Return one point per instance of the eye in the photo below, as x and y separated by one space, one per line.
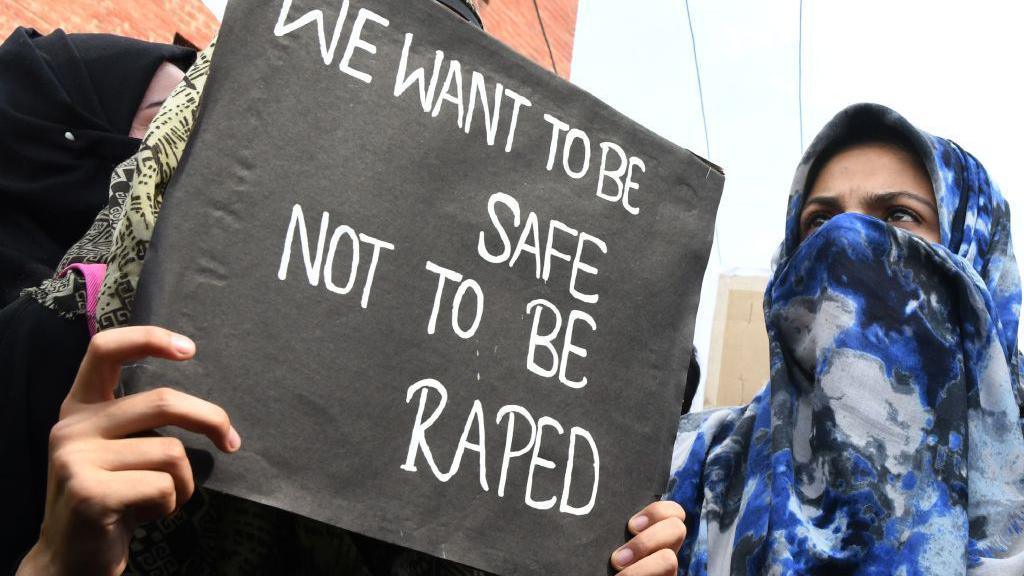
903 215
815 220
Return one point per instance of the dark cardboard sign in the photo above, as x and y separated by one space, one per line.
446 297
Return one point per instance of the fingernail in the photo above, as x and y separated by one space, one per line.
183 344
234 440
623 557
639 522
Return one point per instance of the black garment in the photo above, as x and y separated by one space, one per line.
692 381
461 7
66 107
39 357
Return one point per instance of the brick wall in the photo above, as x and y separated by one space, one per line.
153 20
515 23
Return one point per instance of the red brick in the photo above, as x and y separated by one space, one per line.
153 20
514 22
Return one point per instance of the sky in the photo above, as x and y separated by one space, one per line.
952 68
217 7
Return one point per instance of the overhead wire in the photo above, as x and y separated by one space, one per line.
800 74
544 33
700 88
703 114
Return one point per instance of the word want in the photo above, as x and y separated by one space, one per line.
498 108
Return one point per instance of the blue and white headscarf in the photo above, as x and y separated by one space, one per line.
888 439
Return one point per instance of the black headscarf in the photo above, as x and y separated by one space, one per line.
66 106
465 9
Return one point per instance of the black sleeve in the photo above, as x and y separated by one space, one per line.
39 357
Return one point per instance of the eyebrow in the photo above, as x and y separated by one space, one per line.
888 197
824 201
832 202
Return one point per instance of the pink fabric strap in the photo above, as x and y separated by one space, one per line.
93 275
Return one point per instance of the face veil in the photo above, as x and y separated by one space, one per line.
66 107
888 439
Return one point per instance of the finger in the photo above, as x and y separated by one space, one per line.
108 350
655 512
661 563
667 534
140 495
167 407
161 454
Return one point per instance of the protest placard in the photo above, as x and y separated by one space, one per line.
446 297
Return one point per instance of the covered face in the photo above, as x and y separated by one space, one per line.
868 152
888 439
68 103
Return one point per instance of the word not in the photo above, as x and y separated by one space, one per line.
314 264
532 446
529 242
578 139
452 94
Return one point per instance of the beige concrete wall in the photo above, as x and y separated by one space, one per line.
738 362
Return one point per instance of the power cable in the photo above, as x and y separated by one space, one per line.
800 75
544 33
703 115
700 88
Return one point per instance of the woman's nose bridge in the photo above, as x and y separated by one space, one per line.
854 201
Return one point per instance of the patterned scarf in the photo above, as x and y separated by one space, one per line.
888 439
119 236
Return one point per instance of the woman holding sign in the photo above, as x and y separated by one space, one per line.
84 500
888 439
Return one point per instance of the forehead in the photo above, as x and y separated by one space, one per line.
165 80
871 167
